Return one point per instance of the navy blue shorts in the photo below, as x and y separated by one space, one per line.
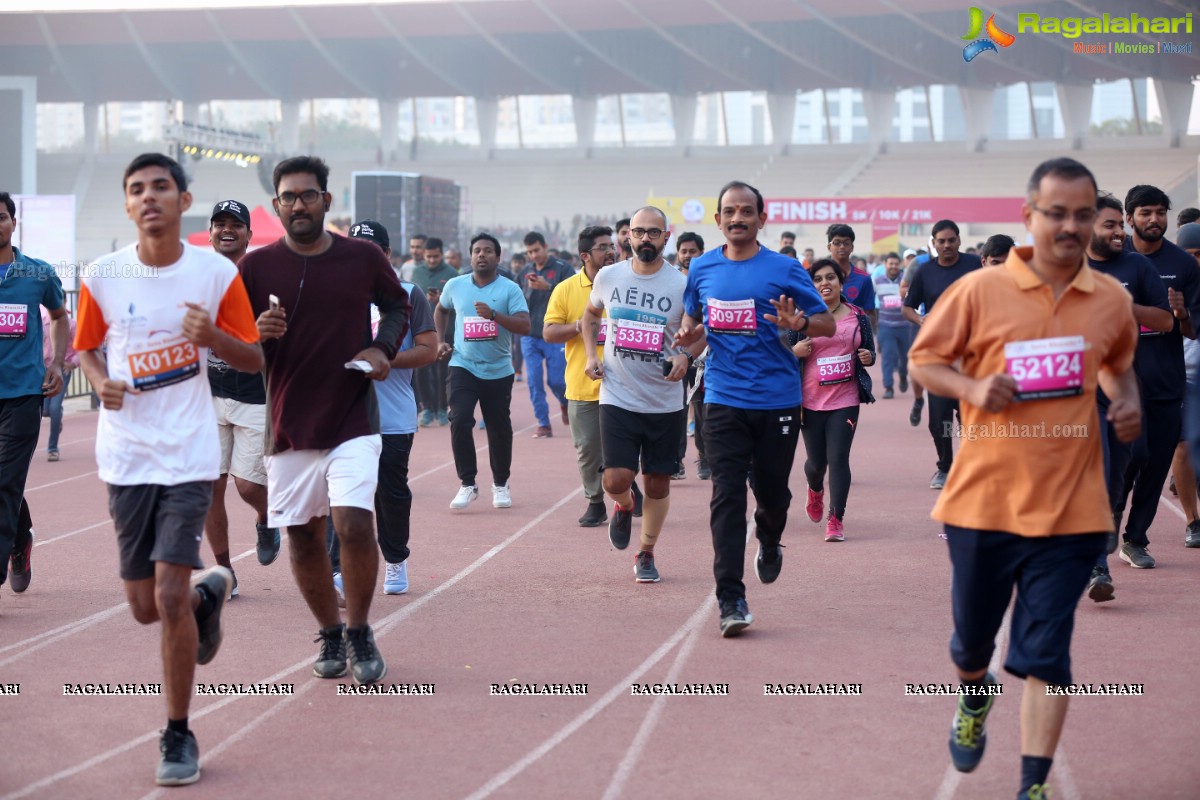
1049 573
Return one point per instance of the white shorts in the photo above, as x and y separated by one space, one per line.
303 484
240 427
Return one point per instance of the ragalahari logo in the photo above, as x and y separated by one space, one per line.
996 36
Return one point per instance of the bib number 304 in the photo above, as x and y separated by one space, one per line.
1046 368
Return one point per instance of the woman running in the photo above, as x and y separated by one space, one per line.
831 398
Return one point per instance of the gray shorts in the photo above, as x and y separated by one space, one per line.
158 523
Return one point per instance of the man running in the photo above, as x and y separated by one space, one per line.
488 309
743 294
857 285
928 283
642 412
563 325
895 332
313 292
431 275
25 381
537 280
160 305
1045 306
240 400
1152 312
689 246
1163 381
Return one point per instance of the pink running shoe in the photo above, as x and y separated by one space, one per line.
815 506
833 530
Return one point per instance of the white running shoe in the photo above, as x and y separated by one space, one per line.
466 495
500 497
395 578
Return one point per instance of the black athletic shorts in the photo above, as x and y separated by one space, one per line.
629 436
158 523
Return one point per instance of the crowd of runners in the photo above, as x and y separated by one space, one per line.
305 368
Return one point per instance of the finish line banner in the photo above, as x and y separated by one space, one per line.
892 210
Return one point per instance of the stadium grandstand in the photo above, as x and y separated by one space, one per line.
551 112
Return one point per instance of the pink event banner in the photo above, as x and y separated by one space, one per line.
892 210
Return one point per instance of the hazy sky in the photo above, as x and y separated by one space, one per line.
171 5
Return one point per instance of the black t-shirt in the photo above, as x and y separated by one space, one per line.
1162 375
245 387
932 279
1139 277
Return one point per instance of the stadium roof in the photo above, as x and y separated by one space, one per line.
496 48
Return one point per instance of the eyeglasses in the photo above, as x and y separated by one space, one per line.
1057 216
841 243
646 233
604 248
308 197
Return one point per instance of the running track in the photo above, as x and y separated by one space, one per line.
524 594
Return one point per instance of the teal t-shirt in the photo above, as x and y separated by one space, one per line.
484 350
27 283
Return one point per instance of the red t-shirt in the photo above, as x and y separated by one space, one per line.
316 403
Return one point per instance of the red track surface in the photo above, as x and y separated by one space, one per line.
524 594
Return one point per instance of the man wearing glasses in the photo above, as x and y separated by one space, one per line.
312 292
642 416
928 284
856 284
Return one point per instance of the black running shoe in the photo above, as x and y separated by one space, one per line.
366 664
180 763
1100 586
20 571
735 617
702 470
267 546
218 583
594 517
620 527
637 499
331 660
1192 537
914 416
769 562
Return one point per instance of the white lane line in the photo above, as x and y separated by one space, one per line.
642 737
37 642
72 533
1064 780
953 777
478 450
1172 504
30 489
618 690
87 622
382 626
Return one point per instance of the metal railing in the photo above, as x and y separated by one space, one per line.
78 385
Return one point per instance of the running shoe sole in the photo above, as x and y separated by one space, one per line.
1101 591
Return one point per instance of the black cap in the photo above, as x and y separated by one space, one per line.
234 209
370 229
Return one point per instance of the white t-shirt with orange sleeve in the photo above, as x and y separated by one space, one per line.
167 433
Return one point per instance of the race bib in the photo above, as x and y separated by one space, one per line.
732 316
14 319
602 336
478 329
1144 331
835 369
1046 368
891 302
630 336
167 364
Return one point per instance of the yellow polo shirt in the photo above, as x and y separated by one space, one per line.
567 303
1035 468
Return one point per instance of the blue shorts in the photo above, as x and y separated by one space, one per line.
1049 573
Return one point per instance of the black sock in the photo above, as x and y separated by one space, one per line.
1034 770
977 702
177 725
207 602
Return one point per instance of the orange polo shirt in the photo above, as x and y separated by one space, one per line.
1036 468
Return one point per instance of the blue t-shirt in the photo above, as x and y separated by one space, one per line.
27 284
397 402
1162 375
754 368
488 359
860 290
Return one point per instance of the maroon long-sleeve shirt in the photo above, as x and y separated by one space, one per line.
315 402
